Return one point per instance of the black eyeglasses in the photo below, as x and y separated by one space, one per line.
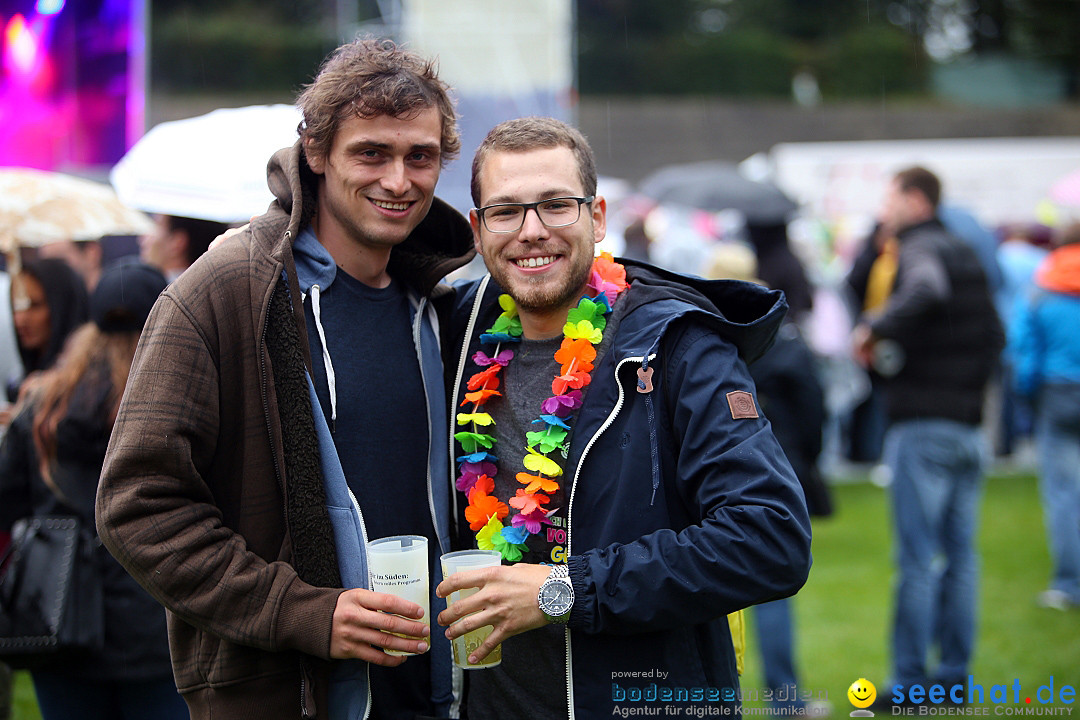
554 213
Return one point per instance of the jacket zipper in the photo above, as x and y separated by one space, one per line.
307 701
307 697
592 441
570 513
269 425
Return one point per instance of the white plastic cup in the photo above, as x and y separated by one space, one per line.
470 641
398 565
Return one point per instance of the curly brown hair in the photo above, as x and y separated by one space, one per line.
369 77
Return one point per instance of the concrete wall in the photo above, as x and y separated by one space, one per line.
633 136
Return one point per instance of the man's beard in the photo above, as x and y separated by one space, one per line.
545 297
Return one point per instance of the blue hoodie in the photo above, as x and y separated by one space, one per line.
1043 341
350 695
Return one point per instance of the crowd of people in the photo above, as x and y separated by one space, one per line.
313 383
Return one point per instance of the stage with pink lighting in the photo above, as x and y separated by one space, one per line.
72 93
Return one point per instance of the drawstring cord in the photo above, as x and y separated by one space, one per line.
331 379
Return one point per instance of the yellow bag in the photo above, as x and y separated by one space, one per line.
738 637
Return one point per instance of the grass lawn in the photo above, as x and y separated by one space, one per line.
842 615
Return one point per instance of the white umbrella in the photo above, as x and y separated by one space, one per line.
211 167
39 207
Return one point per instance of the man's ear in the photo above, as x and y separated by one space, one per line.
315 161
474 221
599 218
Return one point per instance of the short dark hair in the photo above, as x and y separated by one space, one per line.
200 233
531 133
370 77
921 179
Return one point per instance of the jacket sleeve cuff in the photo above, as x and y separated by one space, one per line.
582 614
307 618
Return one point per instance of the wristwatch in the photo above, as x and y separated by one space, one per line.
556 595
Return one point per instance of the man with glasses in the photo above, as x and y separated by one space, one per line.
608 443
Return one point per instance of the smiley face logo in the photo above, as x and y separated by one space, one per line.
862 693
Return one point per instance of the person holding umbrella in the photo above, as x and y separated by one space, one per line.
40 207
85 257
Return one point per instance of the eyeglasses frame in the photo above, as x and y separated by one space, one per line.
534 206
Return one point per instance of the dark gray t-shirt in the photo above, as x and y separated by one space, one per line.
531 681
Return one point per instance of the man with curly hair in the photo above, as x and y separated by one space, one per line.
286 405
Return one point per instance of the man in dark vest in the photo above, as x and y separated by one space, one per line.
936 341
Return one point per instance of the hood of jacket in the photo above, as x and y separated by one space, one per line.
744 313
440 244
1060 271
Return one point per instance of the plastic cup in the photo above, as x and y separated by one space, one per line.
470 641
398 565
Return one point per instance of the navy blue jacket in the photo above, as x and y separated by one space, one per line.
678 512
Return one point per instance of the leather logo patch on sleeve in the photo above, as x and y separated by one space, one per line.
742 405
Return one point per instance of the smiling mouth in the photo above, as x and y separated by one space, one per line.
387 205
535 262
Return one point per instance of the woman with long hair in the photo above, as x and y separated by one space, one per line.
48 302
50 462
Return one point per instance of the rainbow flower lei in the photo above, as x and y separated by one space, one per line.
582 332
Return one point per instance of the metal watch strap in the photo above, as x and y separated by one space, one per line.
560 574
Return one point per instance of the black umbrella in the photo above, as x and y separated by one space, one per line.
716 186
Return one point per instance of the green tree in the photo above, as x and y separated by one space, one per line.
743 47
1047 30
1050 30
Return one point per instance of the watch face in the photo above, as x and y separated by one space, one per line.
557 598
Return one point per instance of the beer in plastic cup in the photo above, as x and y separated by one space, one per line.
470 641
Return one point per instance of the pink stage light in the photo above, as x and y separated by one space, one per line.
20 47
71 82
